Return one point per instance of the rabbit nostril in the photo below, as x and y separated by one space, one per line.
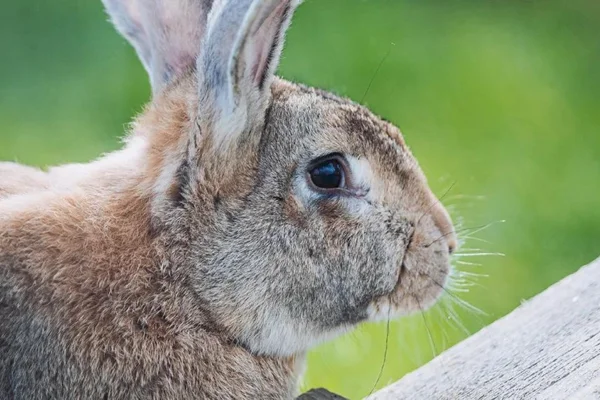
452 245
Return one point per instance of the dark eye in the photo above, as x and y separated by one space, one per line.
328 174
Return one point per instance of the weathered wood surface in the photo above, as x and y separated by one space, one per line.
548 348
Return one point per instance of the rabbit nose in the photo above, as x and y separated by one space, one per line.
442 221
452 245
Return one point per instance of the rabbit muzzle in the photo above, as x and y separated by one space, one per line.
423 271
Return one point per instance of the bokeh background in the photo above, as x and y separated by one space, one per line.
499 100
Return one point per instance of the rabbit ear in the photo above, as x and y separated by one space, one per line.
165 33
238 60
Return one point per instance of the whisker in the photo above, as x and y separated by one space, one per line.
461 284
387 338
429 335
478 254
457 231
487 226
440 315
459 289
466 197
462 274
438 239
465 304
377 72
457 279
452 316
454 278
458 300
468 263
475 239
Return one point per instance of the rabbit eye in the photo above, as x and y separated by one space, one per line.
328 174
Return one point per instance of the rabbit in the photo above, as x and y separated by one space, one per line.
246 220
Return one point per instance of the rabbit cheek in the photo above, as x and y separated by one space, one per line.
362 259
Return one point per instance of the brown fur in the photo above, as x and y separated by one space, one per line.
18 179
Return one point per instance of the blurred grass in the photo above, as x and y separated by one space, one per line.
502 98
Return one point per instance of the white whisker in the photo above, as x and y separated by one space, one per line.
459 289
474 238
478 254
453 317
463 274
476 230
465 197
472 264
461 284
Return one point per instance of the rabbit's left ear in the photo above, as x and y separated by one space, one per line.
165 33
238 61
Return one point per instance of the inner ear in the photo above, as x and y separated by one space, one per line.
265 39
238 62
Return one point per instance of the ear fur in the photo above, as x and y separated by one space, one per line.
166 34
238 61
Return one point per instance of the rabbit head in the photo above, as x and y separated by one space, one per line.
294 214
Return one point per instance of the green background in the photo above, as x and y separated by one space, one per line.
500 98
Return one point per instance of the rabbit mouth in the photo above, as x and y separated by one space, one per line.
418 286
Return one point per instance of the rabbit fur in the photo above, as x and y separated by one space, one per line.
198 261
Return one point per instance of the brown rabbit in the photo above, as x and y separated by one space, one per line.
246 220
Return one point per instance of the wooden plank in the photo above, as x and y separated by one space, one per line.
548 348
